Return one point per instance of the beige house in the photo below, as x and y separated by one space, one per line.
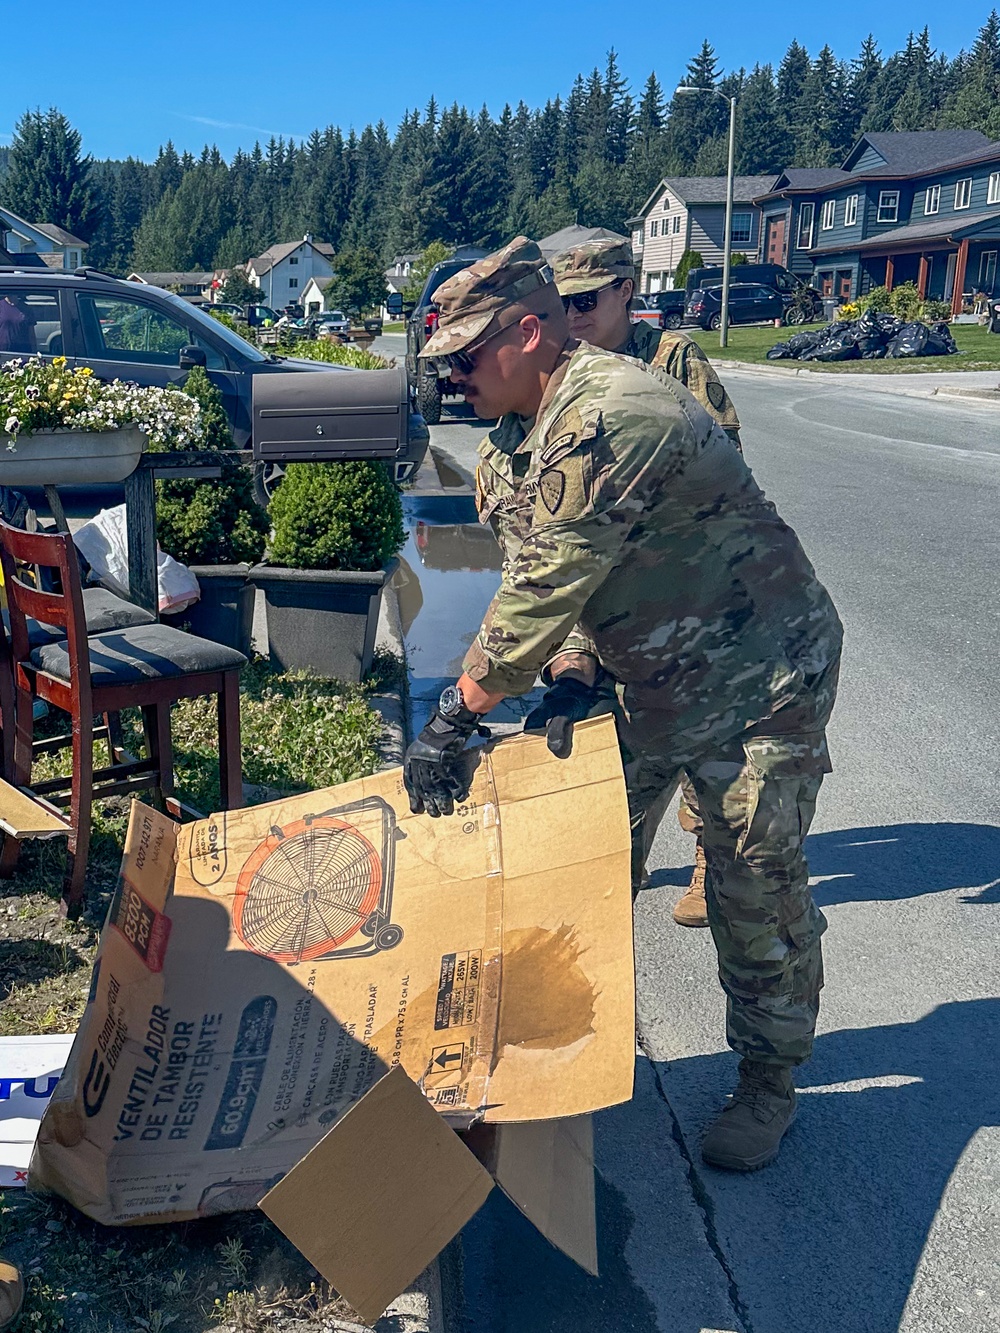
689 213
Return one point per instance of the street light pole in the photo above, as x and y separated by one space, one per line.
727 250
727 257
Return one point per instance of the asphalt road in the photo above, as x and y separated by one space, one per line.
883 1211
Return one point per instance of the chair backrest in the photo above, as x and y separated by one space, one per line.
63 609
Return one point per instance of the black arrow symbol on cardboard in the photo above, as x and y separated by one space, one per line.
445 1059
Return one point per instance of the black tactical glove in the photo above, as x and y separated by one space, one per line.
434 770
569 700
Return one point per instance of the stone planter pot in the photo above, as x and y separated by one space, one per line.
224 611
70 457
322 620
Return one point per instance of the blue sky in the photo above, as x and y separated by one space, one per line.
132 75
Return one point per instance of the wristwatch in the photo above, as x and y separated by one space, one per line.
452 702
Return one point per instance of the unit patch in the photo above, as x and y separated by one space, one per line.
551 488
716 394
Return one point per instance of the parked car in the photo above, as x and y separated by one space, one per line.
670 304
749 303
125 331
335 320
227 308
808 301
421 323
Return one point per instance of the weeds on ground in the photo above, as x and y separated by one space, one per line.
236 1271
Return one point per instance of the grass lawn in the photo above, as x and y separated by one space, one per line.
298 733
978 350
397 326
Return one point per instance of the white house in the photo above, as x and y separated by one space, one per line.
283 271
313 298
55 246
689 213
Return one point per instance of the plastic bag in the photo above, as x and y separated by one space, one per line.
841 347
779 352
805 342
911 340
104 544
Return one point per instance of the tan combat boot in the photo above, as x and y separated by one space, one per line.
11 1295
748 1133
691 909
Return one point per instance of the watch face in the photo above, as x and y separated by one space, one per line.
451 701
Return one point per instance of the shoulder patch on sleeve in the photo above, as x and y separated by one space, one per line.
551 488
716 394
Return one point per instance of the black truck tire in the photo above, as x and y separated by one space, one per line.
673 320
429 400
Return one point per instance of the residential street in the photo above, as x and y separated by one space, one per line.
882 1212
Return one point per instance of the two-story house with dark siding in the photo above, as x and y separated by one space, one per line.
920 206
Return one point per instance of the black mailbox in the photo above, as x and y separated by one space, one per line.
317 417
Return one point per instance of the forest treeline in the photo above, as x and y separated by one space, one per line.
454 175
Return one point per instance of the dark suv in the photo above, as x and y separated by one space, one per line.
420 325
130 331
749 303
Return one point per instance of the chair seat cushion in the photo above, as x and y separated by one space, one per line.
104 611
145 652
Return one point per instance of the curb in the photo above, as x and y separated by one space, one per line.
391 703
897 382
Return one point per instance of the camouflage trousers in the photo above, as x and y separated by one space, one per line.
756 795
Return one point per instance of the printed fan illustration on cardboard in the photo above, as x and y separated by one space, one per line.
315 885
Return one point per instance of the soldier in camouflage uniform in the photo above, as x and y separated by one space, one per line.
649 534
596 281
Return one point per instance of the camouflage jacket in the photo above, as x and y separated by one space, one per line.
682 359
501 499
648 531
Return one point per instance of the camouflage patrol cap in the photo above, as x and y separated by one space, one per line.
472 304
593 265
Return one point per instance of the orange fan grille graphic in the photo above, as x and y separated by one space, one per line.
307 889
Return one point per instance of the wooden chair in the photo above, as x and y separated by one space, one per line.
143 666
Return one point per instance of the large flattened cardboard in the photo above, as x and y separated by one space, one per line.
261 970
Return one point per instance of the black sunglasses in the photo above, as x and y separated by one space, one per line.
587 301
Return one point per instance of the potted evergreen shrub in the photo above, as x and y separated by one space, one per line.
215 527
336 528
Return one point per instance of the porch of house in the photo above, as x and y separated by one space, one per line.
957 272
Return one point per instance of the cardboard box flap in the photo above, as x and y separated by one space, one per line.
546 1168
380 1195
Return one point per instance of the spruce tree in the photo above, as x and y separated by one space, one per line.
47 179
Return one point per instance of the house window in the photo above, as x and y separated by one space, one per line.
827 215
293 259
850 210
987 271
293 282
677 224
993 194
654 228
888 206
963 193
932 200
637 238
805 238
742 228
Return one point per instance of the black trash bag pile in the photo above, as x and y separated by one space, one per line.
874 335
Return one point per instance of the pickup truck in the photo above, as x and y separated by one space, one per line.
664 309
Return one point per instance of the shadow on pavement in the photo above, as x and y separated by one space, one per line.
828 1239
893 862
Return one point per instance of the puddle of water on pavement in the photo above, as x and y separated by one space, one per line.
448 573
